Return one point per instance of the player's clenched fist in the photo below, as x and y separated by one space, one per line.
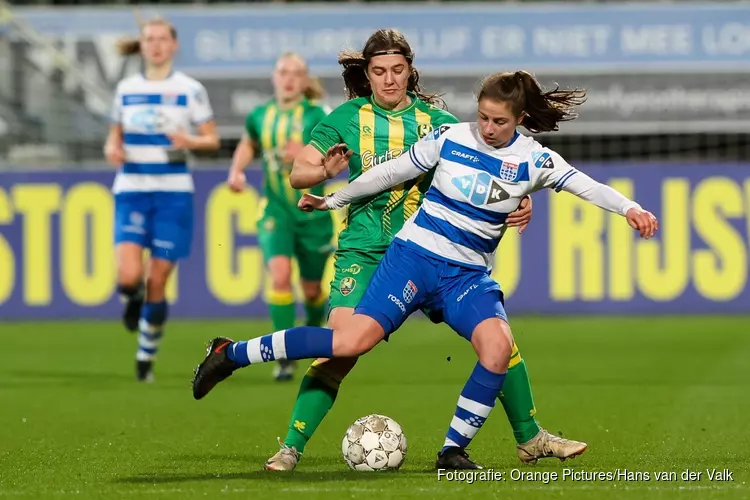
642 221
310 202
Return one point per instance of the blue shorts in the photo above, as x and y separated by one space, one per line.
161 222
407 280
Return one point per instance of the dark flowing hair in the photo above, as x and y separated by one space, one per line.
542 110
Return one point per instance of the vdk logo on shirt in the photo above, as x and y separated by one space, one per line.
480 189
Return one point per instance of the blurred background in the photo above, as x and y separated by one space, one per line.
667 121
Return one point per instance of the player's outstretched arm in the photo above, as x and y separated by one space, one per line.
610 199
375 180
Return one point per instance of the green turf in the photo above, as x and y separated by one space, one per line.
664 394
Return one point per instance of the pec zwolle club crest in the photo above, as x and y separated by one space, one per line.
508 171
347 285
410 291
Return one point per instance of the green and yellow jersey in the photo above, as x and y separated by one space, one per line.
271 127
376 135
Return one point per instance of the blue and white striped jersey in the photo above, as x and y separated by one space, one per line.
475 187
147 110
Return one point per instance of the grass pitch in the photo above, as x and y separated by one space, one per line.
649 395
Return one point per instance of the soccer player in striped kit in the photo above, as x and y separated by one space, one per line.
442 256
280 129
386 114
149 141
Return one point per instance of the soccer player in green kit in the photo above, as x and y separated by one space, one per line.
280 129
385 115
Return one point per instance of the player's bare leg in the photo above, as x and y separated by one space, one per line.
152 318
281 307
317 394
130 282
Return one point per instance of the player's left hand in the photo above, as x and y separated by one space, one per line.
291 150
520 216
642 221
310 202
181 140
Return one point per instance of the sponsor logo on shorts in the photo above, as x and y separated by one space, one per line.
353 269
410 291
466 292
136 224
398 302
166 245
269 224
347 285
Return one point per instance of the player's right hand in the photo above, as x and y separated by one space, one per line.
310 202
336 160
237 181
115 155
642 221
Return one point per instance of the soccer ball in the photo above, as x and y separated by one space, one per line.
374 442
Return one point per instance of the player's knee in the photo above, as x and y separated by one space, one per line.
129 277
311 290
493 343
280 269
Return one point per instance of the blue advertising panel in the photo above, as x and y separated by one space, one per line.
454 39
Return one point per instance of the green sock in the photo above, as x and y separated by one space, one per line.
316 311
282 309
518 401
317 392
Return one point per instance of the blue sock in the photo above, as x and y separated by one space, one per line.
301 342
474 406
153 317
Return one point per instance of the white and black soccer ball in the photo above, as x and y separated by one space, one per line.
374 442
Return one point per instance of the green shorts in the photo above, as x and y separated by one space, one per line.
308 241
353 271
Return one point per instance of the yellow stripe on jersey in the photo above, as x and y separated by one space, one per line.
366 134
411 203
395 143
298 128
282 126
266 142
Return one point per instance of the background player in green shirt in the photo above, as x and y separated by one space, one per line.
385 115
280 129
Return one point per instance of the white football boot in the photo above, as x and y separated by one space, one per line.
284 460
546 445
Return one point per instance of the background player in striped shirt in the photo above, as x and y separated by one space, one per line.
280 129
441 258
385 115
149 141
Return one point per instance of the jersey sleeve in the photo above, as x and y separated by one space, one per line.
330 130
550 170
316 115
200 107
425 153
115 114
554 172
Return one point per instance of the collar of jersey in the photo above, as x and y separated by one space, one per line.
170 75
411 105
303 102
